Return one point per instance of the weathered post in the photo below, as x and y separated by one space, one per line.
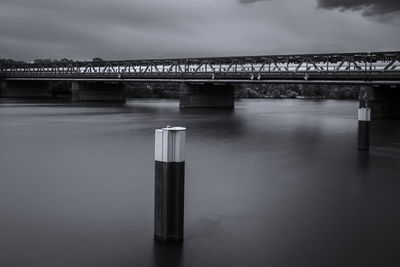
364 117
169 183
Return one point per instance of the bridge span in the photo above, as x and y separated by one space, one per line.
207 82
355 68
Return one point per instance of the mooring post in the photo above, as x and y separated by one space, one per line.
364 117
169 183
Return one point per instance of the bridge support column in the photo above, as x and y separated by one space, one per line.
383 100
25 89
196 95
98 91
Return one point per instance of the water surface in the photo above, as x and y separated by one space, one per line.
270 183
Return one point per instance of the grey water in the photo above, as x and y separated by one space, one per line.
269 183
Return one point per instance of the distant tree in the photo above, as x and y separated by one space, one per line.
4 60
41 61
97 59
66 60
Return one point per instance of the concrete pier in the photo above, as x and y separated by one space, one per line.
196 95
98 91
25 89
384 101
169 184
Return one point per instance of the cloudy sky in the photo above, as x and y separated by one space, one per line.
129 29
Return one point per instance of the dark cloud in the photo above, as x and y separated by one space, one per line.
121 29
368 7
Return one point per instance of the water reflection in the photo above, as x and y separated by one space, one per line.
167 254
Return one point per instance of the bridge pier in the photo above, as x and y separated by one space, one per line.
203 95
98 91
384 100
26 89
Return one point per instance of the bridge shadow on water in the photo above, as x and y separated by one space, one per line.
214 123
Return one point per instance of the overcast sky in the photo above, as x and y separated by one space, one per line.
129 29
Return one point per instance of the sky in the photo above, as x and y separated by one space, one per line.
136 29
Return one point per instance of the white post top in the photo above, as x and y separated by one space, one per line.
168 128
170 144
364 114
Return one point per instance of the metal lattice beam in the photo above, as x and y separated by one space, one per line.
333 67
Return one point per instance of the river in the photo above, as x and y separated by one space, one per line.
270 183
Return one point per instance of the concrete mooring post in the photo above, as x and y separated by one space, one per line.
364 118
169 183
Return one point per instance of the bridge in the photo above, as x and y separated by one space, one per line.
348 68
207 82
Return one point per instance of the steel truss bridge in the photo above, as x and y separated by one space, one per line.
344 68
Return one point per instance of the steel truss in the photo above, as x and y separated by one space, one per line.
341 66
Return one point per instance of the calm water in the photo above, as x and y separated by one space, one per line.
271 183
